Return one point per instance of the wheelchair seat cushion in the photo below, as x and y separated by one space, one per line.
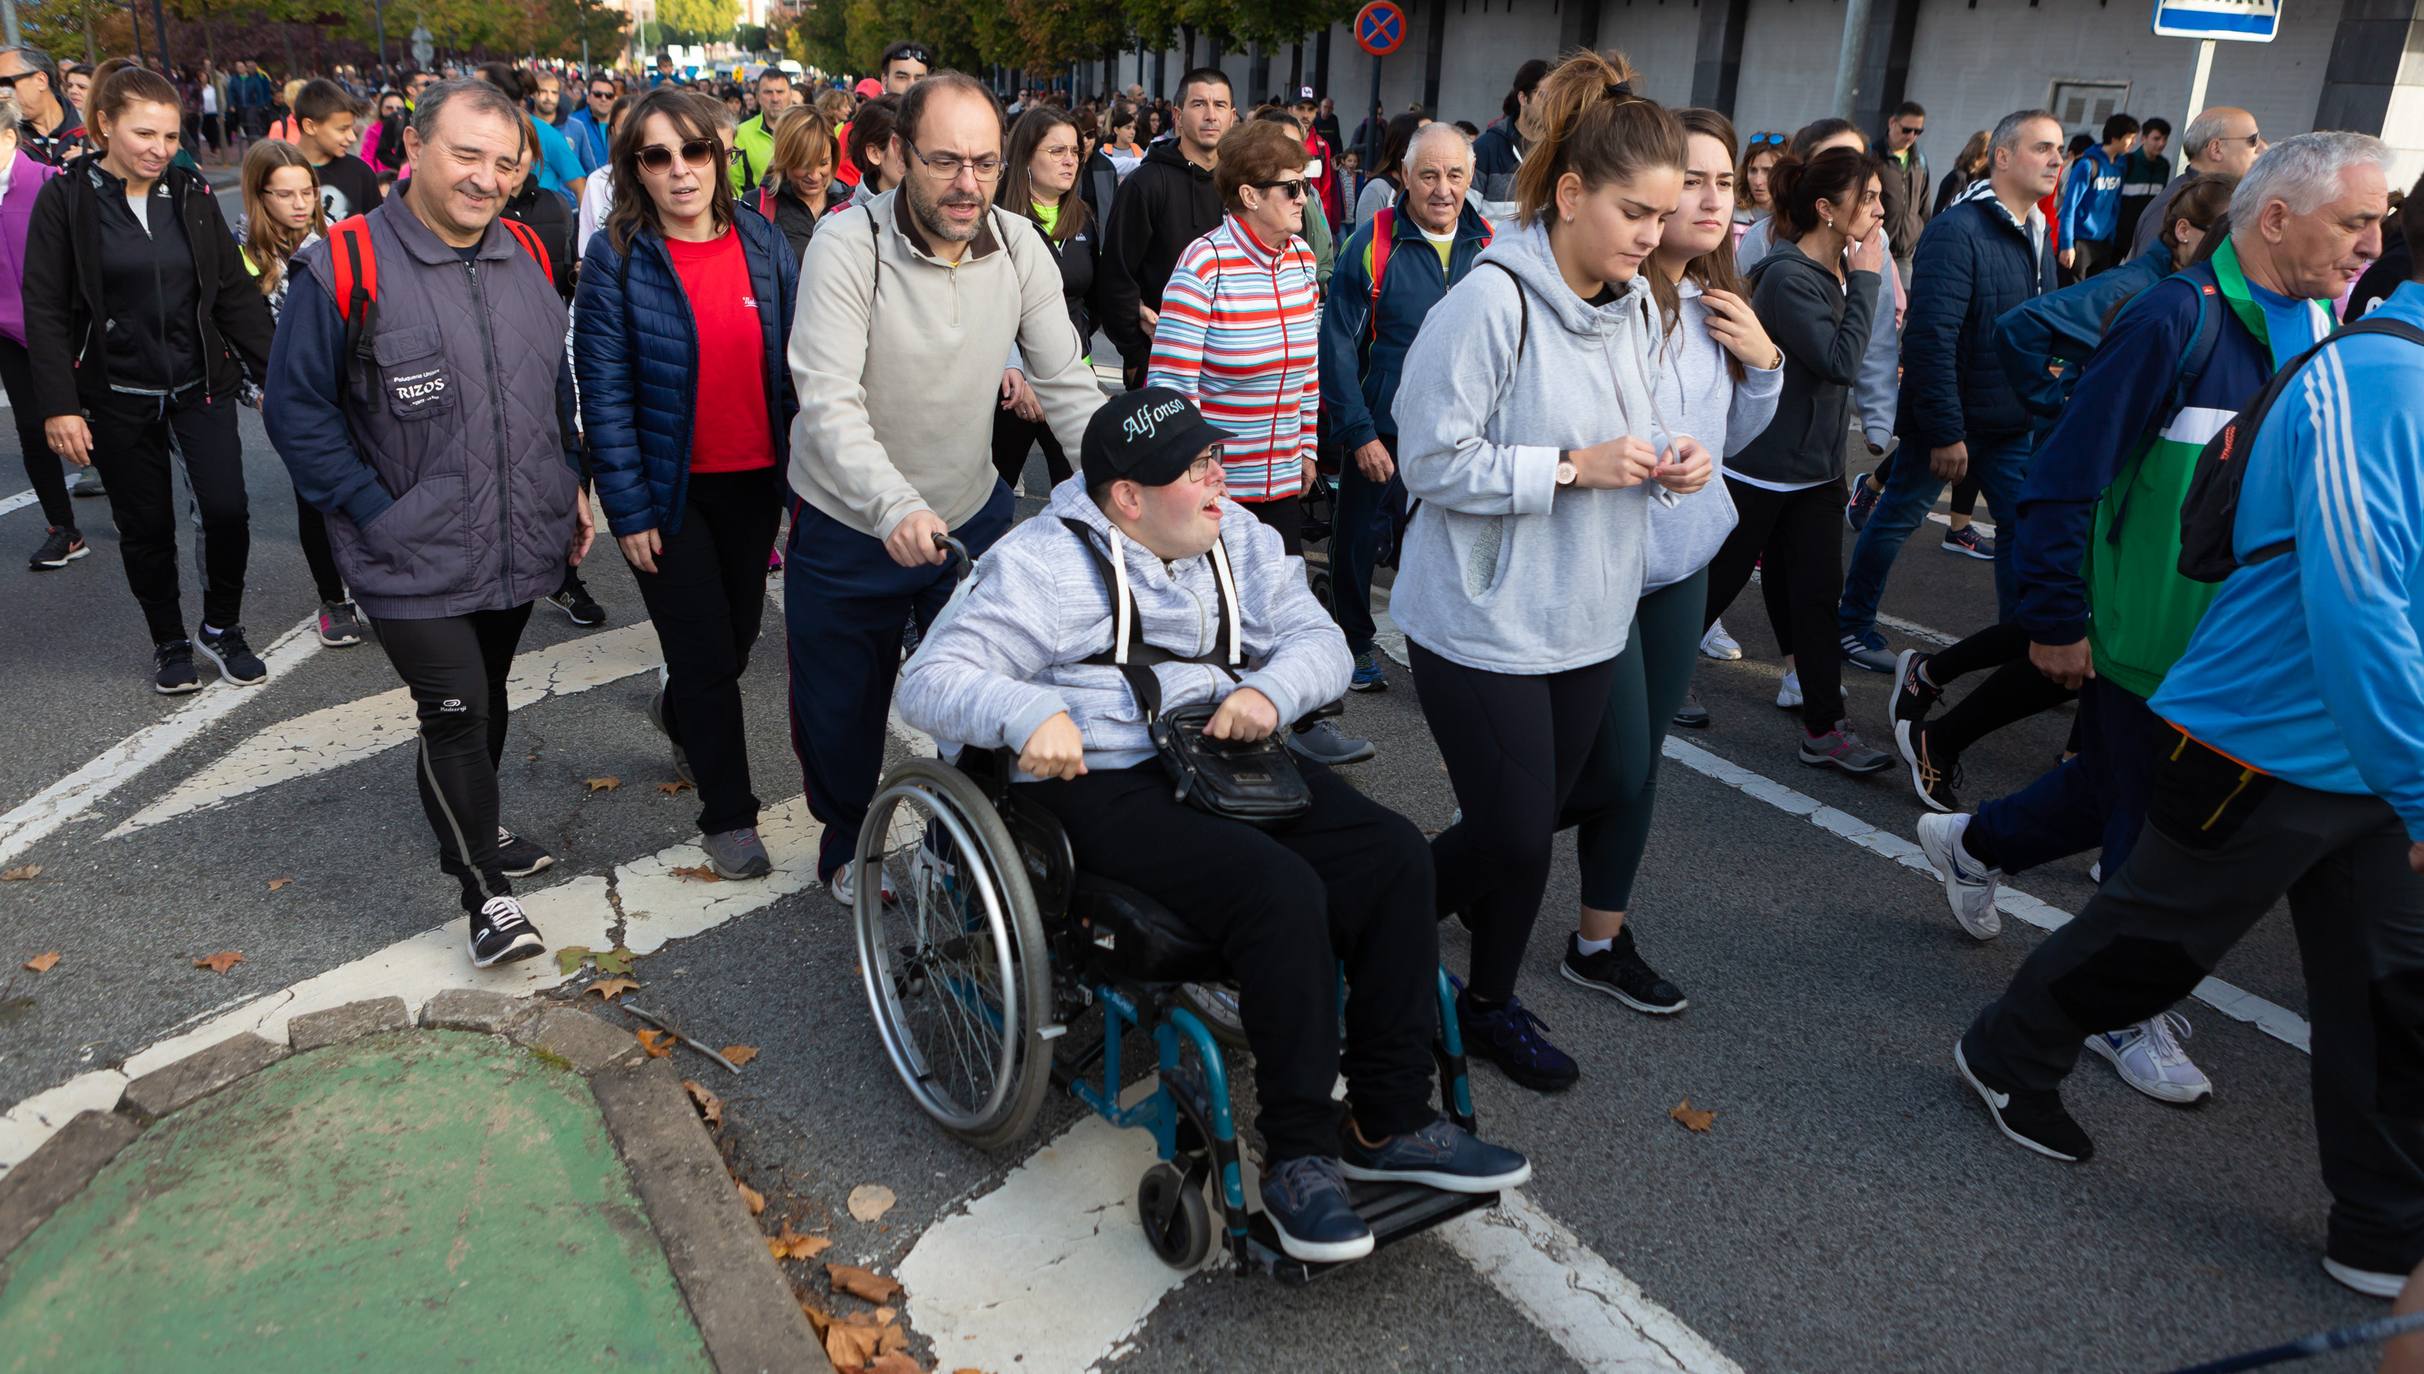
1138 937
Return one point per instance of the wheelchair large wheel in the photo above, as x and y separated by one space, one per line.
953 954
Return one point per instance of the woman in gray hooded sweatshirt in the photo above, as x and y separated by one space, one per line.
1528 432
1715 375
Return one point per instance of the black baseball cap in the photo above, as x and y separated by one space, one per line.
1149 436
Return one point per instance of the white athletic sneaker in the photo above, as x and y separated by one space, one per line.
843 884
1719 645
2150 1059
1788 692
2371 1283
1968 888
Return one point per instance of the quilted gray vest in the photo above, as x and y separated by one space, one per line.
456 410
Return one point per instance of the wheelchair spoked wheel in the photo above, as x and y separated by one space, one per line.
952 953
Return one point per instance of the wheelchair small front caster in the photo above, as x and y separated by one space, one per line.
1177 1222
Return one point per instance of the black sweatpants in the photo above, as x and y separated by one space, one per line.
311 531
1515 746
135 439
1347 883
1013 437
2222 843
2013 691
707 598
1795 539
41 465
456 668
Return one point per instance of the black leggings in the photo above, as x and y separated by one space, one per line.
2015 692
1012 437
1612 802
1796 539
1514 744
135 440
41 465
311 531
456 667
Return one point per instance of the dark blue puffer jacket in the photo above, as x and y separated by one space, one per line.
1973 264
636 355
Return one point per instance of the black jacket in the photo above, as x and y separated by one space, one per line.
1098 182
1082 277
547 215
1165 204
67 314
791 214
1823 330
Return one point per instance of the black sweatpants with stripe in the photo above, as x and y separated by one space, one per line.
455 667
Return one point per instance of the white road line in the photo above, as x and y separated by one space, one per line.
657 907
80 791
17 502
351 731
2234 1002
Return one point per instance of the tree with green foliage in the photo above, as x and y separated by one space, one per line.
698 21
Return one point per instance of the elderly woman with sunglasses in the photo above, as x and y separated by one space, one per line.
683 312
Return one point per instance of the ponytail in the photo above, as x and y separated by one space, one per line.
1594 126
1795 187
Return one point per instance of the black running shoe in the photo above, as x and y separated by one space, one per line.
1513 1038
574 600
519 857
234 659
2035 1120
88 483
501 934
1621 973
173 664
60 547
1935 775
1914 696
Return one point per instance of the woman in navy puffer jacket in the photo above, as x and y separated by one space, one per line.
678 340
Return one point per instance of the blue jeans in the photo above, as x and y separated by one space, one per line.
1366 510
2001 464
2097 796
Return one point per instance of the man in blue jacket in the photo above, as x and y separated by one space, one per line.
2291 764
2090 208
1984 255
1433 238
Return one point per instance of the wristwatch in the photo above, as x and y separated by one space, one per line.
1566 471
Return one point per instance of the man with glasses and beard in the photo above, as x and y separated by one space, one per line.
52 131
893 445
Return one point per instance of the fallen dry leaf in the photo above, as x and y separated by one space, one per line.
740 1054
751 1198
1693 1118
616 961
21 873
851 1347
894 1363
41 963
870 1200
790 1244
674 788
276 883
818 1317
571 957
656 1042
697 873
220 962
605 784
609 989
711 1107
863 1283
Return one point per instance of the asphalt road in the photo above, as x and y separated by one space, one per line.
1850 1209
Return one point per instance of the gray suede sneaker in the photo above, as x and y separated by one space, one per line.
737 853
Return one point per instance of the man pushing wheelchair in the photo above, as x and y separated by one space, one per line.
1143 614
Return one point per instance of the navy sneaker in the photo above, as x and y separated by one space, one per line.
1369 675
1856 512
1442 1155
1306 1200
1967 542
234 659
1512 1038
1866 649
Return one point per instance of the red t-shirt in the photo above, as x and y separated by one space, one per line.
730 430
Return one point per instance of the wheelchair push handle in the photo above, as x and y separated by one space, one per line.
962 563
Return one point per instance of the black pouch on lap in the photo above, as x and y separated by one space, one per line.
1257 781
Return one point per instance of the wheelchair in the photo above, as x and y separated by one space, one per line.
983 947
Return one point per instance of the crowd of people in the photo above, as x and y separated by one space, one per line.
1577 378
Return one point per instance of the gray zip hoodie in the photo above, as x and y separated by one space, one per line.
1009 653
1503 570
1699 397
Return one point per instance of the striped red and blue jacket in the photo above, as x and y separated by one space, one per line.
1240 332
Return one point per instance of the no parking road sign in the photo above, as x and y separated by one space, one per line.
2243 21
1380 28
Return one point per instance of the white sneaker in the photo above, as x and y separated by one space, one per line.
2371 1283
2095 873
1969 888
1719 645
2150 1059
1788 692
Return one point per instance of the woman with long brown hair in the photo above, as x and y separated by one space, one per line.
1529 429
683 312
1039 184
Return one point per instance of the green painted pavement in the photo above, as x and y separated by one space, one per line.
416 1202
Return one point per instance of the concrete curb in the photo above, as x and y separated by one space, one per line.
736 1293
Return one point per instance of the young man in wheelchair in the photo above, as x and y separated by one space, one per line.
1024 663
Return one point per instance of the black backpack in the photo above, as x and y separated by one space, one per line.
2210 514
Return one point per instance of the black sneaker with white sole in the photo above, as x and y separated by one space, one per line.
173 668
501 934
2035 1120
234 659
578 606
1621 973
1935 775
518 857
60 547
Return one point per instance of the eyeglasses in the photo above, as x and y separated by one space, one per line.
1293 190
1204 466
2251 140
948 166
601 93
698 152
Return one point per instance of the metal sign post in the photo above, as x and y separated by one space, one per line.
2212 21
1380 29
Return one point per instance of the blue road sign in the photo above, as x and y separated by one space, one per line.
1380 28
2242 21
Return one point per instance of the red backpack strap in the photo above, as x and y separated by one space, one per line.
528 237
1384 236
354 264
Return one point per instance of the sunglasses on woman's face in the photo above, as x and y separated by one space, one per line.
698 152
1293 190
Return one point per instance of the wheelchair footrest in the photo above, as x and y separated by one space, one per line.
1394 1211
